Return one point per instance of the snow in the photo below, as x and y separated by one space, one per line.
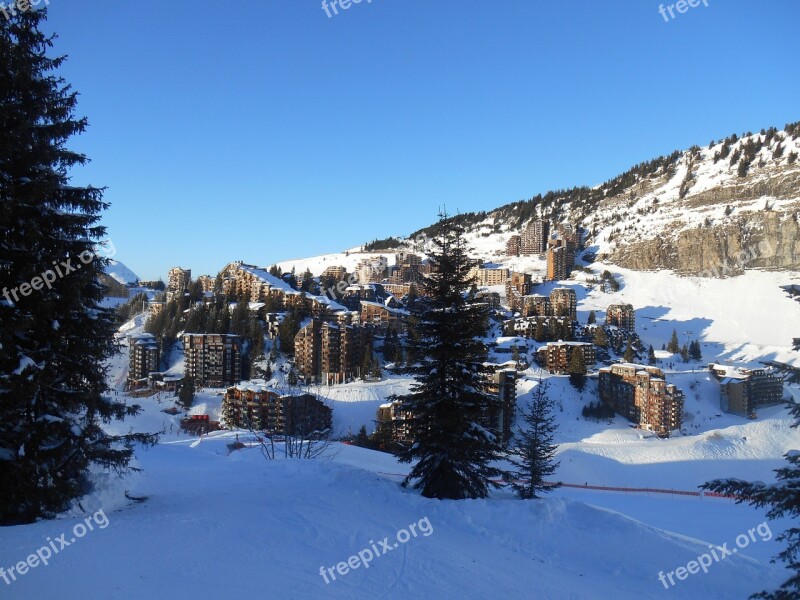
120 272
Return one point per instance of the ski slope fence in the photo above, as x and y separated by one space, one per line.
626 490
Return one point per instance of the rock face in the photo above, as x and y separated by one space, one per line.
756 240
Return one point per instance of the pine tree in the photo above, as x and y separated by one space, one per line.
695 352
783 499
592 318
577 369
292 378
630 354
600 337
362 439
534 453
268 372
651 355
54 335
674 346
685 353
186 393
452 447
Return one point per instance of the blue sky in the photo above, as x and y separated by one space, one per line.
263 130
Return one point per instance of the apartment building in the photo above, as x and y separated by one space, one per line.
534 237
491 299
178 281
622 316
331 353
213 359
535 305
144 356
499 417
517 286
337 272
206 283
641 394
514 245
564 302
154 309
263 409
547 325
372 269
557 356
559 260
743 391
382 317
488 277
240 279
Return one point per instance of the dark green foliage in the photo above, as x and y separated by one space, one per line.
135 306
783 500
597 411
186 393
630 353
54 341
362 439
577 369
592 319
695 352
452 448
674 346
651 356
534 451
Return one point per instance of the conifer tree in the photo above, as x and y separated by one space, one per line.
186 393
577 369
534 453
651 355
674 346
54 335
600 337
783 499
630 354
452 447
592 318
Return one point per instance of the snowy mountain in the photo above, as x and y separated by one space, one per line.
119 272
733 202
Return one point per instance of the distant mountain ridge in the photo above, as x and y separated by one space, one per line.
120 273
692 211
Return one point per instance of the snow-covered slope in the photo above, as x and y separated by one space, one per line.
120 272
219 525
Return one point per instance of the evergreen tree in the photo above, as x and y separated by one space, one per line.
362 439
55 336
273 353
592 318
651 355
695 352
783 499
685 353
292 378
540 334
534 453
630 354
674 346
186 393
600 337
268 372
452 448
577 369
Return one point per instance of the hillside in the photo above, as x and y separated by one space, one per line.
732 202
